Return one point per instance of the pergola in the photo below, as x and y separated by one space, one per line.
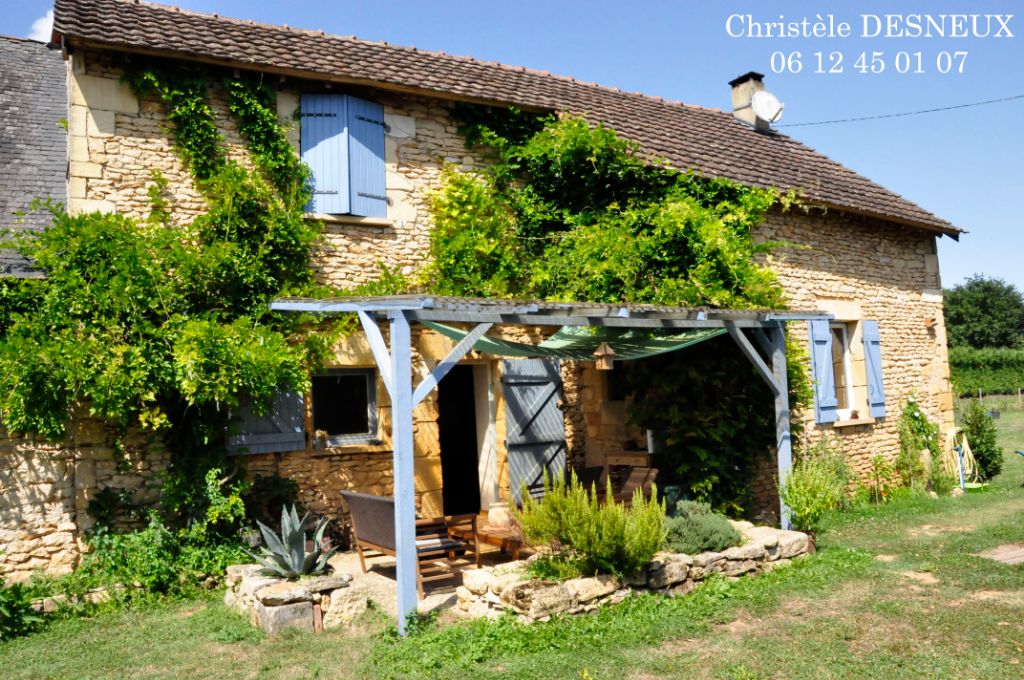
760 335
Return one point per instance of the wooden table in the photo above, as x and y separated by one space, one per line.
507 540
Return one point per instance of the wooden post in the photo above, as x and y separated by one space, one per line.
784 445
402 443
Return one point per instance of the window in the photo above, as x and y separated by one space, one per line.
842 369
342 140
345 406
848 383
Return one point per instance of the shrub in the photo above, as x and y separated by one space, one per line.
994 370
980 430
695 527
919 434
816 484
600 537
17 617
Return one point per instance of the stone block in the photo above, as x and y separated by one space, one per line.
747 551
275 620
101 123
399 126
732 567
346 605
321 584
537 599
76 187
501 582
80 206
705 564
668 569
85 169
108 94
78 121
583 590
792 543
477 581
236 572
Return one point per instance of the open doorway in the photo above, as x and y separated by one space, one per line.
460 447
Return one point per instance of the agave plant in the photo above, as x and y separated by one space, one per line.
285 556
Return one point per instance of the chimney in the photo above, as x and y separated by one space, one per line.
743 88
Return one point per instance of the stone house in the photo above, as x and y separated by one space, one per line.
376 126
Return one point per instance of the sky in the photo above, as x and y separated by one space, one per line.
965 165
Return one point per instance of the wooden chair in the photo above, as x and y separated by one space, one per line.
373 526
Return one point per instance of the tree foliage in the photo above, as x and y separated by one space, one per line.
984 312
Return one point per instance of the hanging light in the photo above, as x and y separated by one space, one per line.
604 354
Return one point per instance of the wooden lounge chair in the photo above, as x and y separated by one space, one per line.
373 525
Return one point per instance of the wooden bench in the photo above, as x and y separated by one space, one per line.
437 539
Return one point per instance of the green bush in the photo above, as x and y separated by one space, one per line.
17 617
600 537
816 484
695 527
980 430
993 370
917 434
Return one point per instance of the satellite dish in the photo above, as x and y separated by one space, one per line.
766 106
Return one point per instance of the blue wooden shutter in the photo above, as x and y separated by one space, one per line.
366 158
324 142
535 428
873 368
280 429
825 402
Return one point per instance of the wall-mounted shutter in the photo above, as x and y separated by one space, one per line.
873 368
366 158
535 427
280 429
825 402
325 149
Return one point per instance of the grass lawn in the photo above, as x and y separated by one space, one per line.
895 591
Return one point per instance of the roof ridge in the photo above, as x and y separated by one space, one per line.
320 33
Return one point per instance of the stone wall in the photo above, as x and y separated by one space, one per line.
856 267
45 491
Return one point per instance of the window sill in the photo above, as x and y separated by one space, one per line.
349 219
853 423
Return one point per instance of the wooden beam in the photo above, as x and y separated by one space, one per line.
751 353
441 370
379 349
783 442
405 484
445 316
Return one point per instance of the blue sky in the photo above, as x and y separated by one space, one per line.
966 165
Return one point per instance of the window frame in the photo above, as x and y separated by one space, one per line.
371 436
847 355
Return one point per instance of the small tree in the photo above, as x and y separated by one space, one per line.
980 430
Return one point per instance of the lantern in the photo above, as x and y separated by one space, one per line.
604 354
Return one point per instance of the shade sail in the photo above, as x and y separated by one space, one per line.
579 343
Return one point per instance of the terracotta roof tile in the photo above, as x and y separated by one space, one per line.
707 140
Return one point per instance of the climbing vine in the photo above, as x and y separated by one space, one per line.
166 327
571 211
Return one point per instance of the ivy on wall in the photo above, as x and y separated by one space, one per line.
166 327
571 211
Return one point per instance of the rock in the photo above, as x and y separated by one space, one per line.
346 605
772 566
619 595
671 568
480 610
274 620
236 572
230 600
464 595
747 551
957 492
252 583
738 567
500 583
284 592
322 584
741 525
684 588
582 590
768 537
638 579
792 543
477 581
537 598
518 567
436 602
705 564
